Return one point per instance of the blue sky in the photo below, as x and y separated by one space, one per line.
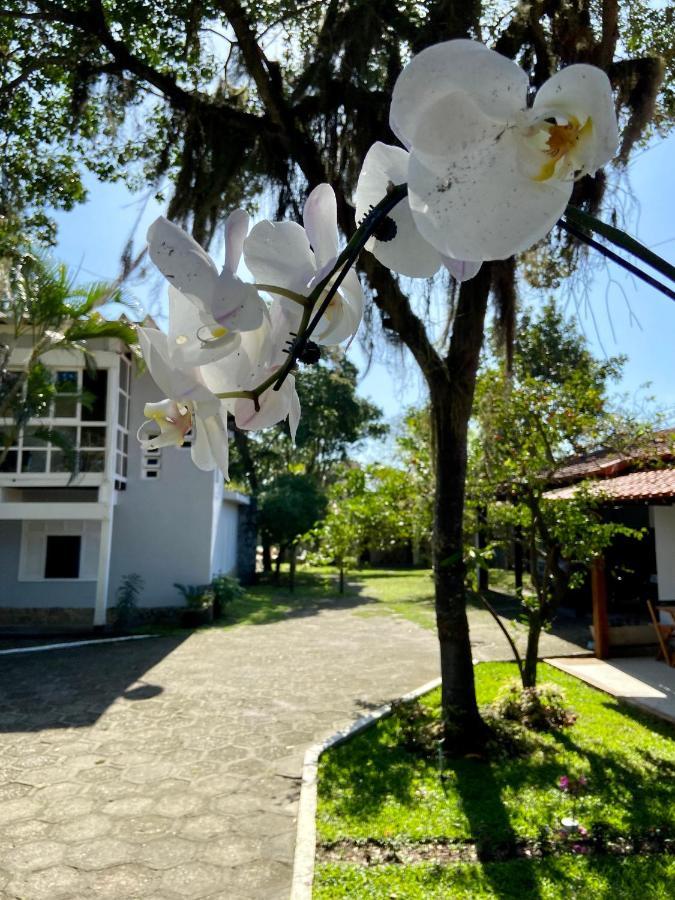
617 314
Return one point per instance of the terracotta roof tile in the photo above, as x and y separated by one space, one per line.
657 484
607 463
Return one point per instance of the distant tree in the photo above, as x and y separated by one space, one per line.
369 508
553 405
289 508
42 309
334 422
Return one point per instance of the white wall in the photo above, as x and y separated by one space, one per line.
226 522
664 533
161 527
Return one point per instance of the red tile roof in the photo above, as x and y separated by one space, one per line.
656 484
659 446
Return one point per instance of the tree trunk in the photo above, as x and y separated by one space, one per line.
529 673
451 401
277 565
342 579
266 554
291 573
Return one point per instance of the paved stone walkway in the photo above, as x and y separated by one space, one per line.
169 768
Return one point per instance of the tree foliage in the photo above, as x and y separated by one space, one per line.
242 101
552 407
334 422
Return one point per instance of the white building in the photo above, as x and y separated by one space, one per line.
66 542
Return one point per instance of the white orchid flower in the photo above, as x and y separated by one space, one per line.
225 305
407 252
488 176
295 259
190 404
258 358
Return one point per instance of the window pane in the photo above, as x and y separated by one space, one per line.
10 436
31 439
95 388
92 436
122 412
63 556
9 463
65 407
67 434
34 461
61 462
92 461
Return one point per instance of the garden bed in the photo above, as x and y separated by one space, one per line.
392 822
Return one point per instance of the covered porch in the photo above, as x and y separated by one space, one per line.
645 683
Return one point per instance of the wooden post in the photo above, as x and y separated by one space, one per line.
600 620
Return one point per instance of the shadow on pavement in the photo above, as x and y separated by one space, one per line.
73 687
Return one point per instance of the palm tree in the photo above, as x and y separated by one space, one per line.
42 309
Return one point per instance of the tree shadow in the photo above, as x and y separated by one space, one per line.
73 687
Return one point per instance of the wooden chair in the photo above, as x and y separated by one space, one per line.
664 632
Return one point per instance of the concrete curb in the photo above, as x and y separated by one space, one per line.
305 842
67 644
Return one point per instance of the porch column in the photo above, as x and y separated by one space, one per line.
103 575
600 620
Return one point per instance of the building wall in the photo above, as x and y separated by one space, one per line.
226 515
664 527
161 526
35 594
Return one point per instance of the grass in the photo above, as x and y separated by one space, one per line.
373 788
554 878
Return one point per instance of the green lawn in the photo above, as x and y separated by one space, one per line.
372 788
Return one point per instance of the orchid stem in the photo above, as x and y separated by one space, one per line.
619 238
614 257
342 265
300 299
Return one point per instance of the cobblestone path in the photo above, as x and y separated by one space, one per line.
169 768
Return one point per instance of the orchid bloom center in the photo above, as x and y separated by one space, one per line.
561 143
172 418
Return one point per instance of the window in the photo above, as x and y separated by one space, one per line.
122 425
62 558
59 551
77 416
151 462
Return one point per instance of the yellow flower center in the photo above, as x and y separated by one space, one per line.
219 332
562 140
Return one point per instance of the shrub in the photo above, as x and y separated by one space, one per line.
197 596
127 600
224 590
540 708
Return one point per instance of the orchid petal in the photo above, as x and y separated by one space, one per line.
497 84
185 347
200 451
273 405
468 195
236 229
236 305
407 253
461 269
178 384
320 220
585 92
181 260
294 410
279 253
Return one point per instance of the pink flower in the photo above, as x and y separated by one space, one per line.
579 848
564 783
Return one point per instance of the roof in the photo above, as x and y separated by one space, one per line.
654 484
658 447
